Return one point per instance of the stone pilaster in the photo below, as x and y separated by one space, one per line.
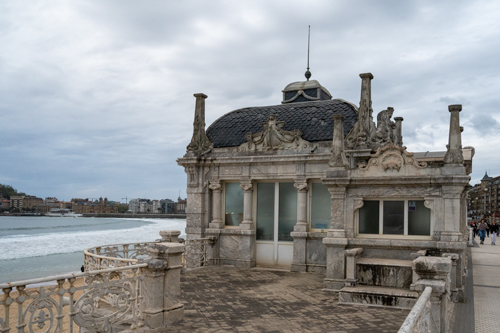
161 285
452 213
336 240
247 223
216 222
398 132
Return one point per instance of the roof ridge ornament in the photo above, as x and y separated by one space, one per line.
274 137
308 73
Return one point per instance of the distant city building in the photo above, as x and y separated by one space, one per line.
167 206
5 204
147 206
16 201
180 206
483 198
86 206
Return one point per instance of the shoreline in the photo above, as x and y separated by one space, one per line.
134 216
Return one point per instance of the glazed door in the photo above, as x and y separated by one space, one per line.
276 216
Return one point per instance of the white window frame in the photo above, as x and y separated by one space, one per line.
381 220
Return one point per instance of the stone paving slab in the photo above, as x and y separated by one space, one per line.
229 299
486 272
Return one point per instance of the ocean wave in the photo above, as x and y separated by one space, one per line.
46 244
69 226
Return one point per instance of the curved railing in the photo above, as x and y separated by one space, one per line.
114 255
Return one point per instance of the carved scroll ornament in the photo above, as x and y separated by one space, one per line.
392 157
273 137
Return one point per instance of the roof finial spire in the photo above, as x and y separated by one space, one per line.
308 73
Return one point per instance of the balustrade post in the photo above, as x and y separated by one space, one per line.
161 285
435 272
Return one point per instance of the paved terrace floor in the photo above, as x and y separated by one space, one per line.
486 282
229 299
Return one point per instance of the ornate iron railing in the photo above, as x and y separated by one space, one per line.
111 298
115 255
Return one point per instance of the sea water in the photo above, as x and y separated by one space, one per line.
38 246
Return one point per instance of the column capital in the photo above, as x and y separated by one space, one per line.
215 186
246 186
301 186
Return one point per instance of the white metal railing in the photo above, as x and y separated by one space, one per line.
115 255
111 297
419 318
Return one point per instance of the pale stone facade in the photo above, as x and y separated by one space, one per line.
315 185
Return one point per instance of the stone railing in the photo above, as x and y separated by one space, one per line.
111 298
120 255
419 318
432 312
116 255
144 293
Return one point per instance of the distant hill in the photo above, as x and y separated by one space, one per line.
6 191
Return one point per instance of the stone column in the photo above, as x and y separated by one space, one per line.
398 132
302 225
170 236
434 272
161 285
216 206
452 213
300 229
247 223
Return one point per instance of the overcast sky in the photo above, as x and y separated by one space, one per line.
96 97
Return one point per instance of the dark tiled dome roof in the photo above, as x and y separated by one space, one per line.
313 119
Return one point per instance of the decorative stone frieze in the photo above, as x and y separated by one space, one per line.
274 137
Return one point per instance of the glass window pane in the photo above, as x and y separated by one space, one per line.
265 211
419 218
394 217
287 211
234 204
369 217
320 206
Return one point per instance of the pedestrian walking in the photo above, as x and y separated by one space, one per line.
82 269
494 232
482 230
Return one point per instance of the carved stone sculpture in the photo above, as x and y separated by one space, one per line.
391 157
385 128
199 142
274 138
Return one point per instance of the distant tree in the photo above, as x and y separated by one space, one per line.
122 208
7 191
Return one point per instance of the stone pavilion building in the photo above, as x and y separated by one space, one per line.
315 185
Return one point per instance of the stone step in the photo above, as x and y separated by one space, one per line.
384 272
398 298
